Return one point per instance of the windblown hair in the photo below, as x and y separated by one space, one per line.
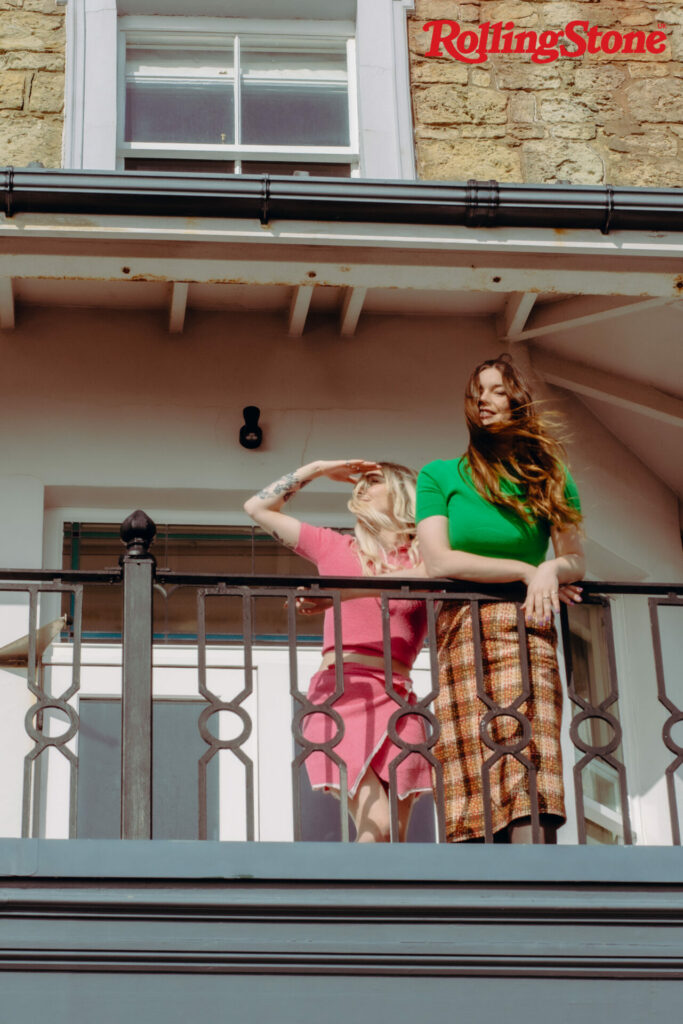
375 558
522 451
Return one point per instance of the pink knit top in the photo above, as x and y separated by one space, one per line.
335 555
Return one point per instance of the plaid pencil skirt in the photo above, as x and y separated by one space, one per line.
473 772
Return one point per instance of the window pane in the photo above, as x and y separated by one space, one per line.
179 96
294 99
162 165
304 168
195 549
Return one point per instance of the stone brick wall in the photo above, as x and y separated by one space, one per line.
614 119
32 43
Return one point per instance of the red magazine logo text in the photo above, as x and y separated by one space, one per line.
476 45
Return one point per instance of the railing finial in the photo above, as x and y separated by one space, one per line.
137 533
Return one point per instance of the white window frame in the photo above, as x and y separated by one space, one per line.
216 33
379 85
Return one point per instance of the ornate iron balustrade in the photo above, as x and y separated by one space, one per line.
596 729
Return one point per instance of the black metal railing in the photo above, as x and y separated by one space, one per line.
591 665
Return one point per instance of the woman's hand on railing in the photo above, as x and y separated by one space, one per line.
570 593
545 592
308 605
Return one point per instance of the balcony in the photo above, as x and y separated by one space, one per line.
195 743
185 737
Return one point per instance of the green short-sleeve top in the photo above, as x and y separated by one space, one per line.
475 525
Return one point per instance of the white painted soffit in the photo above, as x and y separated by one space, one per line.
345 234
355 255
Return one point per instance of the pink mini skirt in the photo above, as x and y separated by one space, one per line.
365 708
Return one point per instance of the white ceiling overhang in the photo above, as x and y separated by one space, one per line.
602 314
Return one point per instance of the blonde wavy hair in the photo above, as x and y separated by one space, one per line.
524 451
374 556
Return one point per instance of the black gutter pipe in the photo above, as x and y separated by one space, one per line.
265 198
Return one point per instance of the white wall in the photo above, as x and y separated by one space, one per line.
104 411
107 409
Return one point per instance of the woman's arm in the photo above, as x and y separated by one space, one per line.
544 590
441 560
264 507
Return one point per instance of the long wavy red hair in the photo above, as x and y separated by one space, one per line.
523 451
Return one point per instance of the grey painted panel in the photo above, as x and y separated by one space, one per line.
296 1000
604 865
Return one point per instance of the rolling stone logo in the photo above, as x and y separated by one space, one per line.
476 45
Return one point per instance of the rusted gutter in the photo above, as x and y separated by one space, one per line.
265 198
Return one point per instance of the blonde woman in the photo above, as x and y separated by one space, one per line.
384 543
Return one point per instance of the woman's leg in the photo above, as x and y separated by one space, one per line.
521 831
369 809
405 809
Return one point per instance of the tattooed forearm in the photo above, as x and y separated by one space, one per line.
286 486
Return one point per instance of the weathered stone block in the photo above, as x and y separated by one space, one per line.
480 77
551 160
469 159
562 110
24 139
638 18
426 72
20 30
12 89
655 101
527 131
522 74
676 43
521 12
522 107
469 14
475 131
442 104
673 15
438 132
45 61
599 80
654 142
557 14
420 39
574 131
650 70
47 92
428 9
44 6
624 169
10 5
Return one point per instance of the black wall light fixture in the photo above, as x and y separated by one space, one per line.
251 434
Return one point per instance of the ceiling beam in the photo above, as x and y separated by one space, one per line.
177 307
607 387
515 315
6 304
298 309
352 304
581 311
422 275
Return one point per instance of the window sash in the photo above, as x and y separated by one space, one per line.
157 34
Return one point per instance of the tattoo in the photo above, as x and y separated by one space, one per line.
288 485
276 536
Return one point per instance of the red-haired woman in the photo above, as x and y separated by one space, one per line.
487 517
